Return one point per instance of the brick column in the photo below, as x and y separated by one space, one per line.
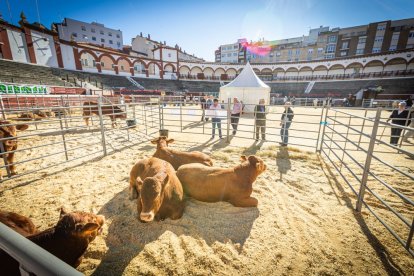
5 44
131 69
58 51
162 65
29 43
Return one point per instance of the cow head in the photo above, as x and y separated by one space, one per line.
151 197
81 225
162 141
255 162
11 133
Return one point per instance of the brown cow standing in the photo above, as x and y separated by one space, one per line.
160 194
177 158
21 224
212 184
10 144
90 108
68 240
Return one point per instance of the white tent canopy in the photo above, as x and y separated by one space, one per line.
247 87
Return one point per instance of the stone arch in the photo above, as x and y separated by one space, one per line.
279 72
292 72
320 70
374 66
108 56
107 63
184 70
305 71
208 72
88 59
410 64
154 68
196 70
139 66
124 66
354 68
231 72
336 69
257 71
124 58
169 67
395 64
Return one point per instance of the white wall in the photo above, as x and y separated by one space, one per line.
18 46
169 55
67 56
44 48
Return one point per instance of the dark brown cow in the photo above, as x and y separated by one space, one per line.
177 158
10 144
68 240
160 194
36 115
21 224
90 108
212 184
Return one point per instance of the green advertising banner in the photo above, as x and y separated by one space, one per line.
22 89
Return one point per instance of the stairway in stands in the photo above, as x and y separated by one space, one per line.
135 83
309 87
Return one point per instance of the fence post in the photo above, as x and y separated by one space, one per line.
64 112
3 150
368 161
3 114
181 117
102 125
63 136
144 106
324 123
228 120
362 127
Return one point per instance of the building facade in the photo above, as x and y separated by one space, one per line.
94 33
330 43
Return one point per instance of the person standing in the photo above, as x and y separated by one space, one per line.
203 103
410 133
209 102
216 120
315 102
399 117
285 122
235 114
260 119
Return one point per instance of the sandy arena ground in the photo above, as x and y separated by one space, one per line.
305 223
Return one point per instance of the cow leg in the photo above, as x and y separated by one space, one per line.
133 189
244 202
86 121
113 121
10 160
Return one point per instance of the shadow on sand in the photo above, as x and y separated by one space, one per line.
283 161
127 236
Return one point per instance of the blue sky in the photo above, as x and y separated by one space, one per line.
199 26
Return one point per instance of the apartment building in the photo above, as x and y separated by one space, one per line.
94 33
329 43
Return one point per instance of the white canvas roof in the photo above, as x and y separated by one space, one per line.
247 78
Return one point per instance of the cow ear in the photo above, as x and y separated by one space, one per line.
169 141
155 141
243 158
22 127
62 212
87 229
166 179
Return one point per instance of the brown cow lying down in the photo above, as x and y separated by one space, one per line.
212 184
11 144
21 224
177 158
36 115
160 194
68 240
90 108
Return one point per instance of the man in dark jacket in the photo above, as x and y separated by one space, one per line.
203 106
399 117
260 119
285 122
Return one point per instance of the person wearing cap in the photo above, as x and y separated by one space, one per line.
399 117
235 114
260 119
285 122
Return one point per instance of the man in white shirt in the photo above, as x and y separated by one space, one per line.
235 114
216 121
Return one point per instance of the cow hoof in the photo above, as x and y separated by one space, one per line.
13 173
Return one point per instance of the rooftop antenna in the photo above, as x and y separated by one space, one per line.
38 14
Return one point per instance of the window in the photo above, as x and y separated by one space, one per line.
102 40
101 32
236 47
74 34
94 63
92 30
359 52
362 40
118 44
332 39
113 66
379 38
329 56
343 53
376 49
110 34
310 51
393 48
229 54
345 45
381 26
93 38
320 50
395 36
110 42
309 58
411 34
234 54
289 52
83 28
84 36
118 36
223 55
102 64
297 52
122 67
330 48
